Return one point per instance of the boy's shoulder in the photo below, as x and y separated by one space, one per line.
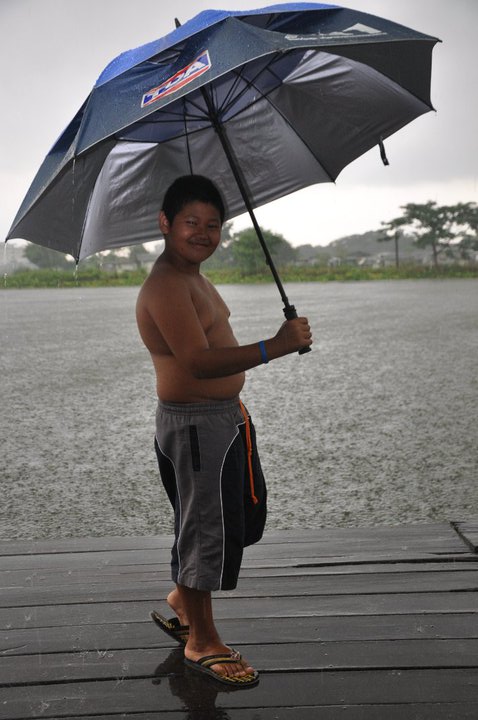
163 273
166 281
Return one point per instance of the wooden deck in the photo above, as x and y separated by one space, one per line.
356 624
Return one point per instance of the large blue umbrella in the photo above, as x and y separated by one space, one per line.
265 102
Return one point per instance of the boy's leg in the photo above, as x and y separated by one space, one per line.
203 636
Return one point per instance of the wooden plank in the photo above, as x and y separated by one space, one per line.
358 583
91 563
77 594
399 533
336 688
350 535
142 635
77 545
304 629
98 560
417 563
382 548
278 555
318 606
468 531
135 574
437 530
436 539
280 657
380 556
152 589
128 542
112 573
404 711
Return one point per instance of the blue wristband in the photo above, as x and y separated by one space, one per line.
262 348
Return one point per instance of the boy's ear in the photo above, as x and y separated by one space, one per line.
163 223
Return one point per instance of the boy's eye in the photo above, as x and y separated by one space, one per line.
211 226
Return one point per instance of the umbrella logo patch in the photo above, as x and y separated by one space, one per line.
178 80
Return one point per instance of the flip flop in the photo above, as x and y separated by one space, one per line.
203 665
171 627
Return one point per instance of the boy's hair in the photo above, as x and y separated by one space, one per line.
191 188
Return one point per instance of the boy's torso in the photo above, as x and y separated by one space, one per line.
174 382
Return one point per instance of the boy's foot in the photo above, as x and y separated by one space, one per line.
228 668
221 662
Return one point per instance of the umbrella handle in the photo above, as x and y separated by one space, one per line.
290 313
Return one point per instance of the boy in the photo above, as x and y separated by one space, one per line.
204 437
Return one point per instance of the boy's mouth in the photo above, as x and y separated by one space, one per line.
199 243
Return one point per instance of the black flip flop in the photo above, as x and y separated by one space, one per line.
171 627
203 665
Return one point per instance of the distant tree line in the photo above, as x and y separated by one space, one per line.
44 257
447 230
240 250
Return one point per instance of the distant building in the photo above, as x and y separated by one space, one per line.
380 260
334 262
119 264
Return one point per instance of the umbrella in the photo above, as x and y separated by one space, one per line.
265 102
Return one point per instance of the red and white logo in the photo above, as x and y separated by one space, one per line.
199 66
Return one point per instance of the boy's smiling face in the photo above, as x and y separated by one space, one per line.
194 233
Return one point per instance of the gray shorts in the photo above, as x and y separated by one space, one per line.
202 452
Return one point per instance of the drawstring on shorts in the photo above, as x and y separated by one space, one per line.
249 450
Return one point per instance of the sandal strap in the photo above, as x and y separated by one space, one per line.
225 659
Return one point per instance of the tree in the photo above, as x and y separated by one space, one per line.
222 256
248 254
43 257
446 229
466 224
138 254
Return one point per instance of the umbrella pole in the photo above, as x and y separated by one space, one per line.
288 309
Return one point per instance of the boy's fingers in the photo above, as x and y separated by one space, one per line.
304 334
305 327
296 334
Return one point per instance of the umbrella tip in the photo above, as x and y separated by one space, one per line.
383 154
177 23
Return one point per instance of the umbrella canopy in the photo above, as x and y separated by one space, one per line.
298 90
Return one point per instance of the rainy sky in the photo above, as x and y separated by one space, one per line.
52 51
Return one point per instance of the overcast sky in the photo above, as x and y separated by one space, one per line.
52 51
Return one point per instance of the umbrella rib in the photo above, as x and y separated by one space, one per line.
166 116
156 119
251 83
231 91
186 134
248 83
284 117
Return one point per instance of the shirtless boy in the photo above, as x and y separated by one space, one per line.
202 427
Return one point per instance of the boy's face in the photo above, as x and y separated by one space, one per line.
194 233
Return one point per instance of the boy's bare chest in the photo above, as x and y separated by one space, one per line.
211 309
